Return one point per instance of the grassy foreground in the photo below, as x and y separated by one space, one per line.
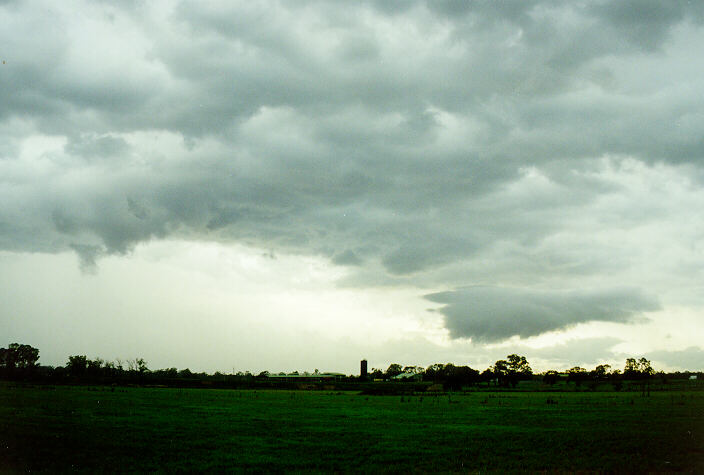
141 429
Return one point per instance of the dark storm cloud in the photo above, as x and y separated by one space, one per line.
488 314
347 258
439 144
648 22
88 256
92 147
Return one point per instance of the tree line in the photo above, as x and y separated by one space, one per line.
20 361
514 369
503 373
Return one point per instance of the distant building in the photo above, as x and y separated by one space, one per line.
407 376
363 369
693 377
306 377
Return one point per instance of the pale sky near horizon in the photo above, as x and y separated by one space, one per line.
299 185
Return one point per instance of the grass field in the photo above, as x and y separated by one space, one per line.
140 429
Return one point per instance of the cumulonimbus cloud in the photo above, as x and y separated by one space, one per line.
490 314
436 145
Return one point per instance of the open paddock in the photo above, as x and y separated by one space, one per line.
140 429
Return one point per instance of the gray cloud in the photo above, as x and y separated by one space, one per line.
437 144
646 23
137 209
584 352
91 147
88 256
488 314
688 359
347 258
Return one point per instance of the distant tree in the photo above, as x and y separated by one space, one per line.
137 365
432 372
94 367
616 378
111 370
630 371
19 356
601 372
166 373
453 377
551 377
5 361
393 370
447 369
77 365
487 376
662 376
518 365
638 369
376 374
511 370
500 372
186 373
18 359
413 369
577 375
645 367
457 377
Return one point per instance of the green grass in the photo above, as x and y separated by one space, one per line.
141 429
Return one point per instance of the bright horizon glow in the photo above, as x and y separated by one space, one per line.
239 309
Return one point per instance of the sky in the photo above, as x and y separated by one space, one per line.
232 186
